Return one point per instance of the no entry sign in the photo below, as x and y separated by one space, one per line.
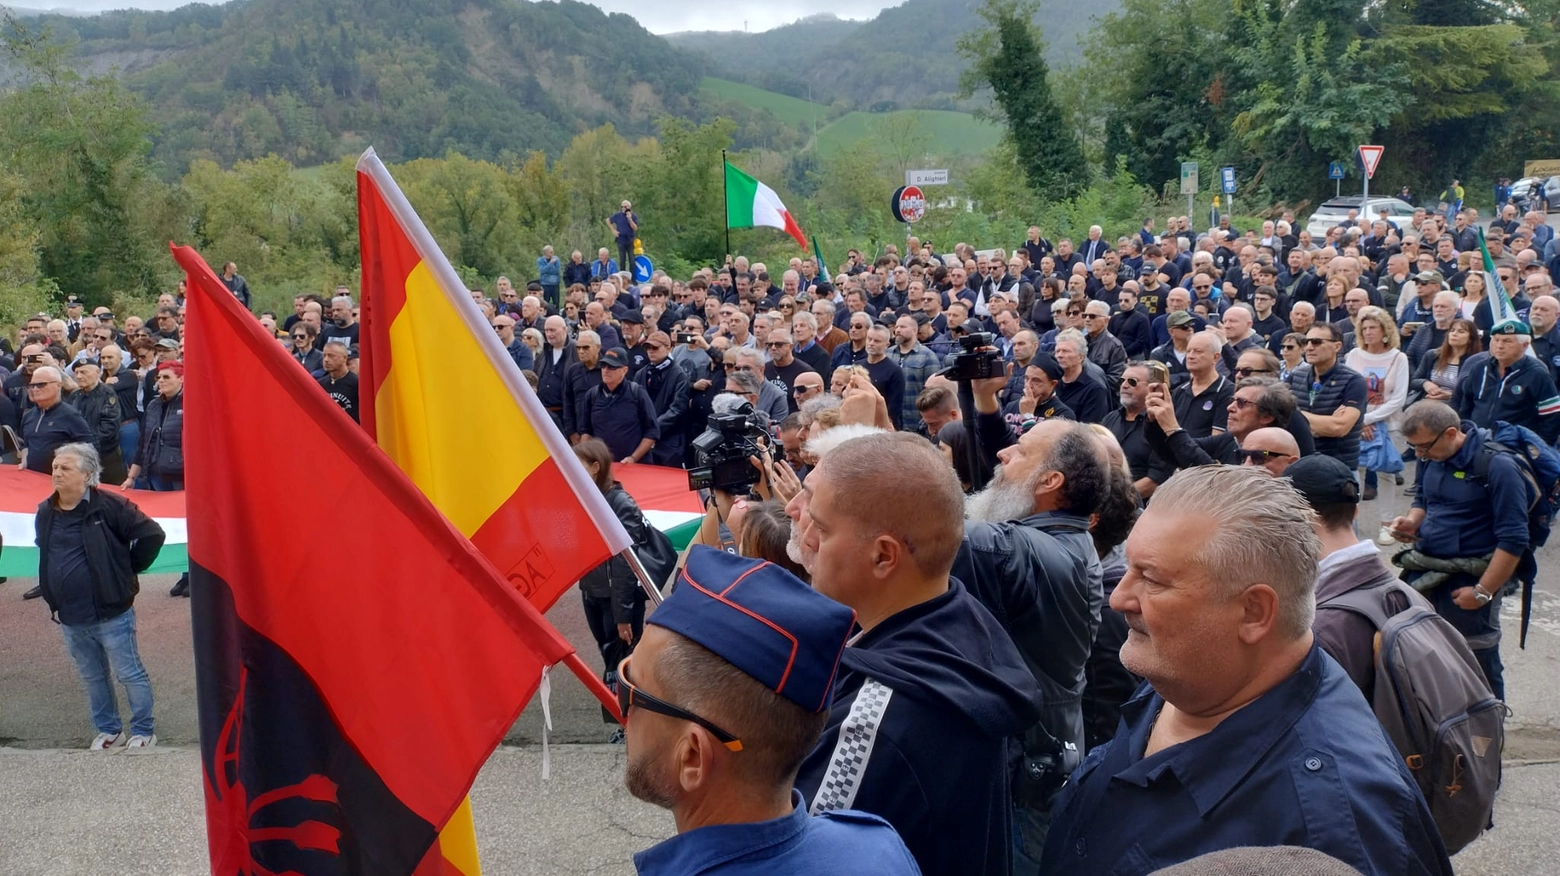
908 204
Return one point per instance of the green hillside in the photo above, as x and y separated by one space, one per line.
790 110
948 133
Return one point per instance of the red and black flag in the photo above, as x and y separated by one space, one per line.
357 660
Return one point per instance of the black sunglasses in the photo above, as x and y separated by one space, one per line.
1258 457
1247 372
630 696
1311 342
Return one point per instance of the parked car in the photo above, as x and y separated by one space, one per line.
1335 211
1525 190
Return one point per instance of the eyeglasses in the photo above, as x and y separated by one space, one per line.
803 390
1247 372
1258 457
1201 288
1420 449
1289 346
1242 403
630 696
584 346
32 386
1312 342
1075 313
105 337
729 366
778 344
1093 316
300 337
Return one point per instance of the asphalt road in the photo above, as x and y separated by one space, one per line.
63 811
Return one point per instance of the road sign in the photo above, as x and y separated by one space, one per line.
1542 167
908 204
1227 179
926 177
1370 157
643 268
1188 177
1335 170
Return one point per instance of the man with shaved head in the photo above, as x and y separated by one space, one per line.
1270 447
932 678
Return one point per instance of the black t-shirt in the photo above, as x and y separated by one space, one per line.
69 577
1205 411
331 330
343 391
788 375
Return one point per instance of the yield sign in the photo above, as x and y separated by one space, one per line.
1370 157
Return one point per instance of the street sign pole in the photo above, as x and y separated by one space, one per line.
1189 185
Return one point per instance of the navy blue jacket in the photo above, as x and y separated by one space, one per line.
525 360
621 418
952 691
1464 518
1306 764
1525 395
841 842
43 431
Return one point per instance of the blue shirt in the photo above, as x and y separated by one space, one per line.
840 842
1305 764
1464 518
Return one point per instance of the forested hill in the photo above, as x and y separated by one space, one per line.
311 80
904 57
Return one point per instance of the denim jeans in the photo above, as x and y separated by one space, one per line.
129 437
98 647
1481 627
164 485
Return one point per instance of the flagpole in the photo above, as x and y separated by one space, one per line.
652 589
725 205
594 684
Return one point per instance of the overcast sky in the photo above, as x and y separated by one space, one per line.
658 16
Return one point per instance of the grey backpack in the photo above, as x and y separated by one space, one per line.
1436 707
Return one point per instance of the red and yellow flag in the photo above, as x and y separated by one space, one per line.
446 403
345 705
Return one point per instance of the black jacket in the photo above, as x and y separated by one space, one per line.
668 389
575 273
578 381
125 384
45 430
100 408
549 377
948 692
614 579
161 451
1041 577
121 543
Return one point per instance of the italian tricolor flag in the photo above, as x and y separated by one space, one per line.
662 493
750 203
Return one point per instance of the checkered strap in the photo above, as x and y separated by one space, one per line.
853 749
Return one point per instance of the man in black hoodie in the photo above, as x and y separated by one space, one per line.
931 693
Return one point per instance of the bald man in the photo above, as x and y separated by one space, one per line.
1270 447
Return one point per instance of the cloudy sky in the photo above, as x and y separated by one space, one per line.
659 16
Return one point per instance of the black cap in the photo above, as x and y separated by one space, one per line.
616 357
633 316
1323 480
920 318
1047 363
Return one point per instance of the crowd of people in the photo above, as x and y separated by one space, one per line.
1058 622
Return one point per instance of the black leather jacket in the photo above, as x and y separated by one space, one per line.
614 579
1041 578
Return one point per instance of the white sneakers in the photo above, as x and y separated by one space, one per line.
106 741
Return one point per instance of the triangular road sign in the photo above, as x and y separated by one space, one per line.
1370 157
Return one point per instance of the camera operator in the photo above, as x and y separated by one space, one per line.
735 460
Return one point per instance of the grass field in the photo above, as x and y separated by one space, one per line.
791 110
949 133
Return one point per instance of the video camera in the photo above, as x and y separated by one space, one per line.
721 454
974 361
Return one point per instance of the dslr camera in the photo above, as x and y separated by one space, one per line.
721 454
973 362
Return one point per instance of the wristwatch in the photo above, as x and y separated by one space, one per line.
1479 594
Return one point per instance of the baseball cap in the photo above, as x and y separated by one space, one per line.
761 619
1047 363
616 357
167 344
1430 277
633 316
920 317
1178 319
1323 480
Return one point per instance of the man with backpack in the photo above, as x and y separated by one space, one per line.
1415 669
1468 525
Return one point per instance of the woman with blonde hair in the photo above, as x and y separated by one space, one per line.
1385 367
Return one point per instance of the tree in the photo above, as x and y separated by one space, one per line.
1006 56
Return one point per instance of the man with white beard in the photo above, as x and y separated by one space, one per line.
1027 556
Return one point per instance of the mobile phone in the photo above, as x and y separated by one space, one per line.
1158 372
1413 326
685 337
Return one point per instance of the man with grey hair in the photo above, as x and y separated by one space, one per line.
48 423
1087 397
773 396
342 323
91 546
1246 714
1105 349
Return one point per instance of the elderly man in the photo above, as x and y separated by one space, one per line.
773 396
1027 557
1271 448
339 381
1244 714
523 358
619 411
1509 385
552 366
805 346
1086 397
91 546
668 387
1470 504
783 365
1544 317
342 323
48 422
1105 349
579 378
932 677
98 405
726 697
1202 402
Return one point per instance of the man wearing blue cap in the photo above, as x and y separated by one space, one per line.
726 693
933 694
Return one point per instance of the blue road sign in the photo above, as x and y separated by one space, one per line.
643 268
1335 170
1227 179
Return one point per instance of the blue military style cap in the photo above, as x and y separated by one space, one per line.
763 620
